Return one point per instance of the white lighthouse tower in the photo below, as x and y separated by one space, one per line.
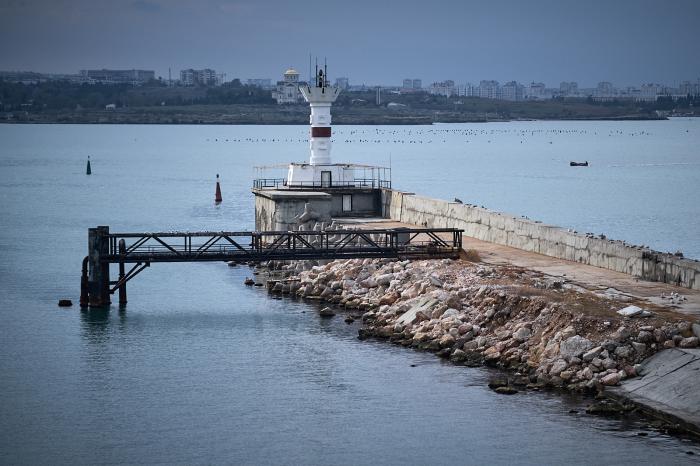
320 171
320 97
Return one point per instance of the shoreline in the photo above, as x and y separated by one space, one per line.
292 116
387 122
542 333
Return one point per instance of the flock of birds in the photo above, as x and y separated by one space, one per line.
432 135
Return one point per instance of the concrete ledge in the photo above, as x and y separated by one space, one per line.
669 387
287 194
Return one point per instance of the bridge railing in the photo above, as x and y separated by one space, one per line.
234 245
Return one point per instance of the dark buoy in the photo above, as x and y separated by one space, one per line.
217 196
89 170
65 302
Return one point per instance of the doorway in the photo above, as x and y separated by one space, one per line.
326 179
347 202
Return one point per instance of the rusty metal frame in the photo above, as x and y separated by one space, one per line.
135 270
111 248
283 245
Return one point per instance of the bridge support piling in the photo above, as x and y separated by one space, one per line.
84 294
98 268
122 287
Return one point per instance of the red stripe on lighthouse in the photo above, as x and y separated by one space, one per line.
320 131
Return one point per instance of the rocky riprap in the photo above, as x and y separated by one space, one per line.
545 331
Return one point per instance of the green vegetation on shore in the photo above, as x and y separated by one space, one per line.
235 103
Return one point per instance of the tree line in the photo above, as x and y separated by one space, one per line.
64 95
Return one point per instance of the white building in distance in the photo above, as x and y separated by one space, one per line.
409 86
103 76
568 89
489 89
342 83
443 88
689 88
205 77
287 90
512 91
605 89
649 92
535 91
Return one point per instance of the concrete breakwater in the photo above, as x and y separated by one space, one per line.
537 237
544 331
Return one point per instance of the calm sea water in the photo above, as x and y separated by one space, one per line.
199 369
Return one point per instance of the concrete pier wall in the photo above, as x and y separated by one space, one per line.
544 239
279 210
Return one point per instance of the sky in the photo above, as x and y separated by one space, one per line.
627 42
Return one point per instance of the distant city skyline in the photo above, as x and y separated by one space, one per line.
210 77
625 42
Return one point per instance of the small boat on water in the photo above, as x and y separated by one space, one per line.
578 164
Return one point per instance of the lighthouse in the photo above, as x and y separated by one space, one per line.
320 171
320 97
318 190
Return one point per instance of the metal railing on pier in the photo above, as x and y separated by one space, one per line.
281 183
352 175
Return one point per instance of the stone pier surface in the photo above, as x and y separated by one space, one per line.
669 386
604 282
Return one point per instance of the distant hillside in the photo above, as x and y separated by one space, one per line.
234 103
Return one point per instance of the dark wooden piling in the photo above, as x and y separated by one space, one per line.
98 269
84 290
122 280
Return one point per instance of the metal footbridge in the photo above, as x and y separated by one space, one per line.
139 250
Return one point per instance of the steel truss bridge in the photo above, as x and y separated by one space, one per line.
139 250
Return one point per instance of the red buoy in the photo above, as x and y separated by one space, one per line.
217 196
